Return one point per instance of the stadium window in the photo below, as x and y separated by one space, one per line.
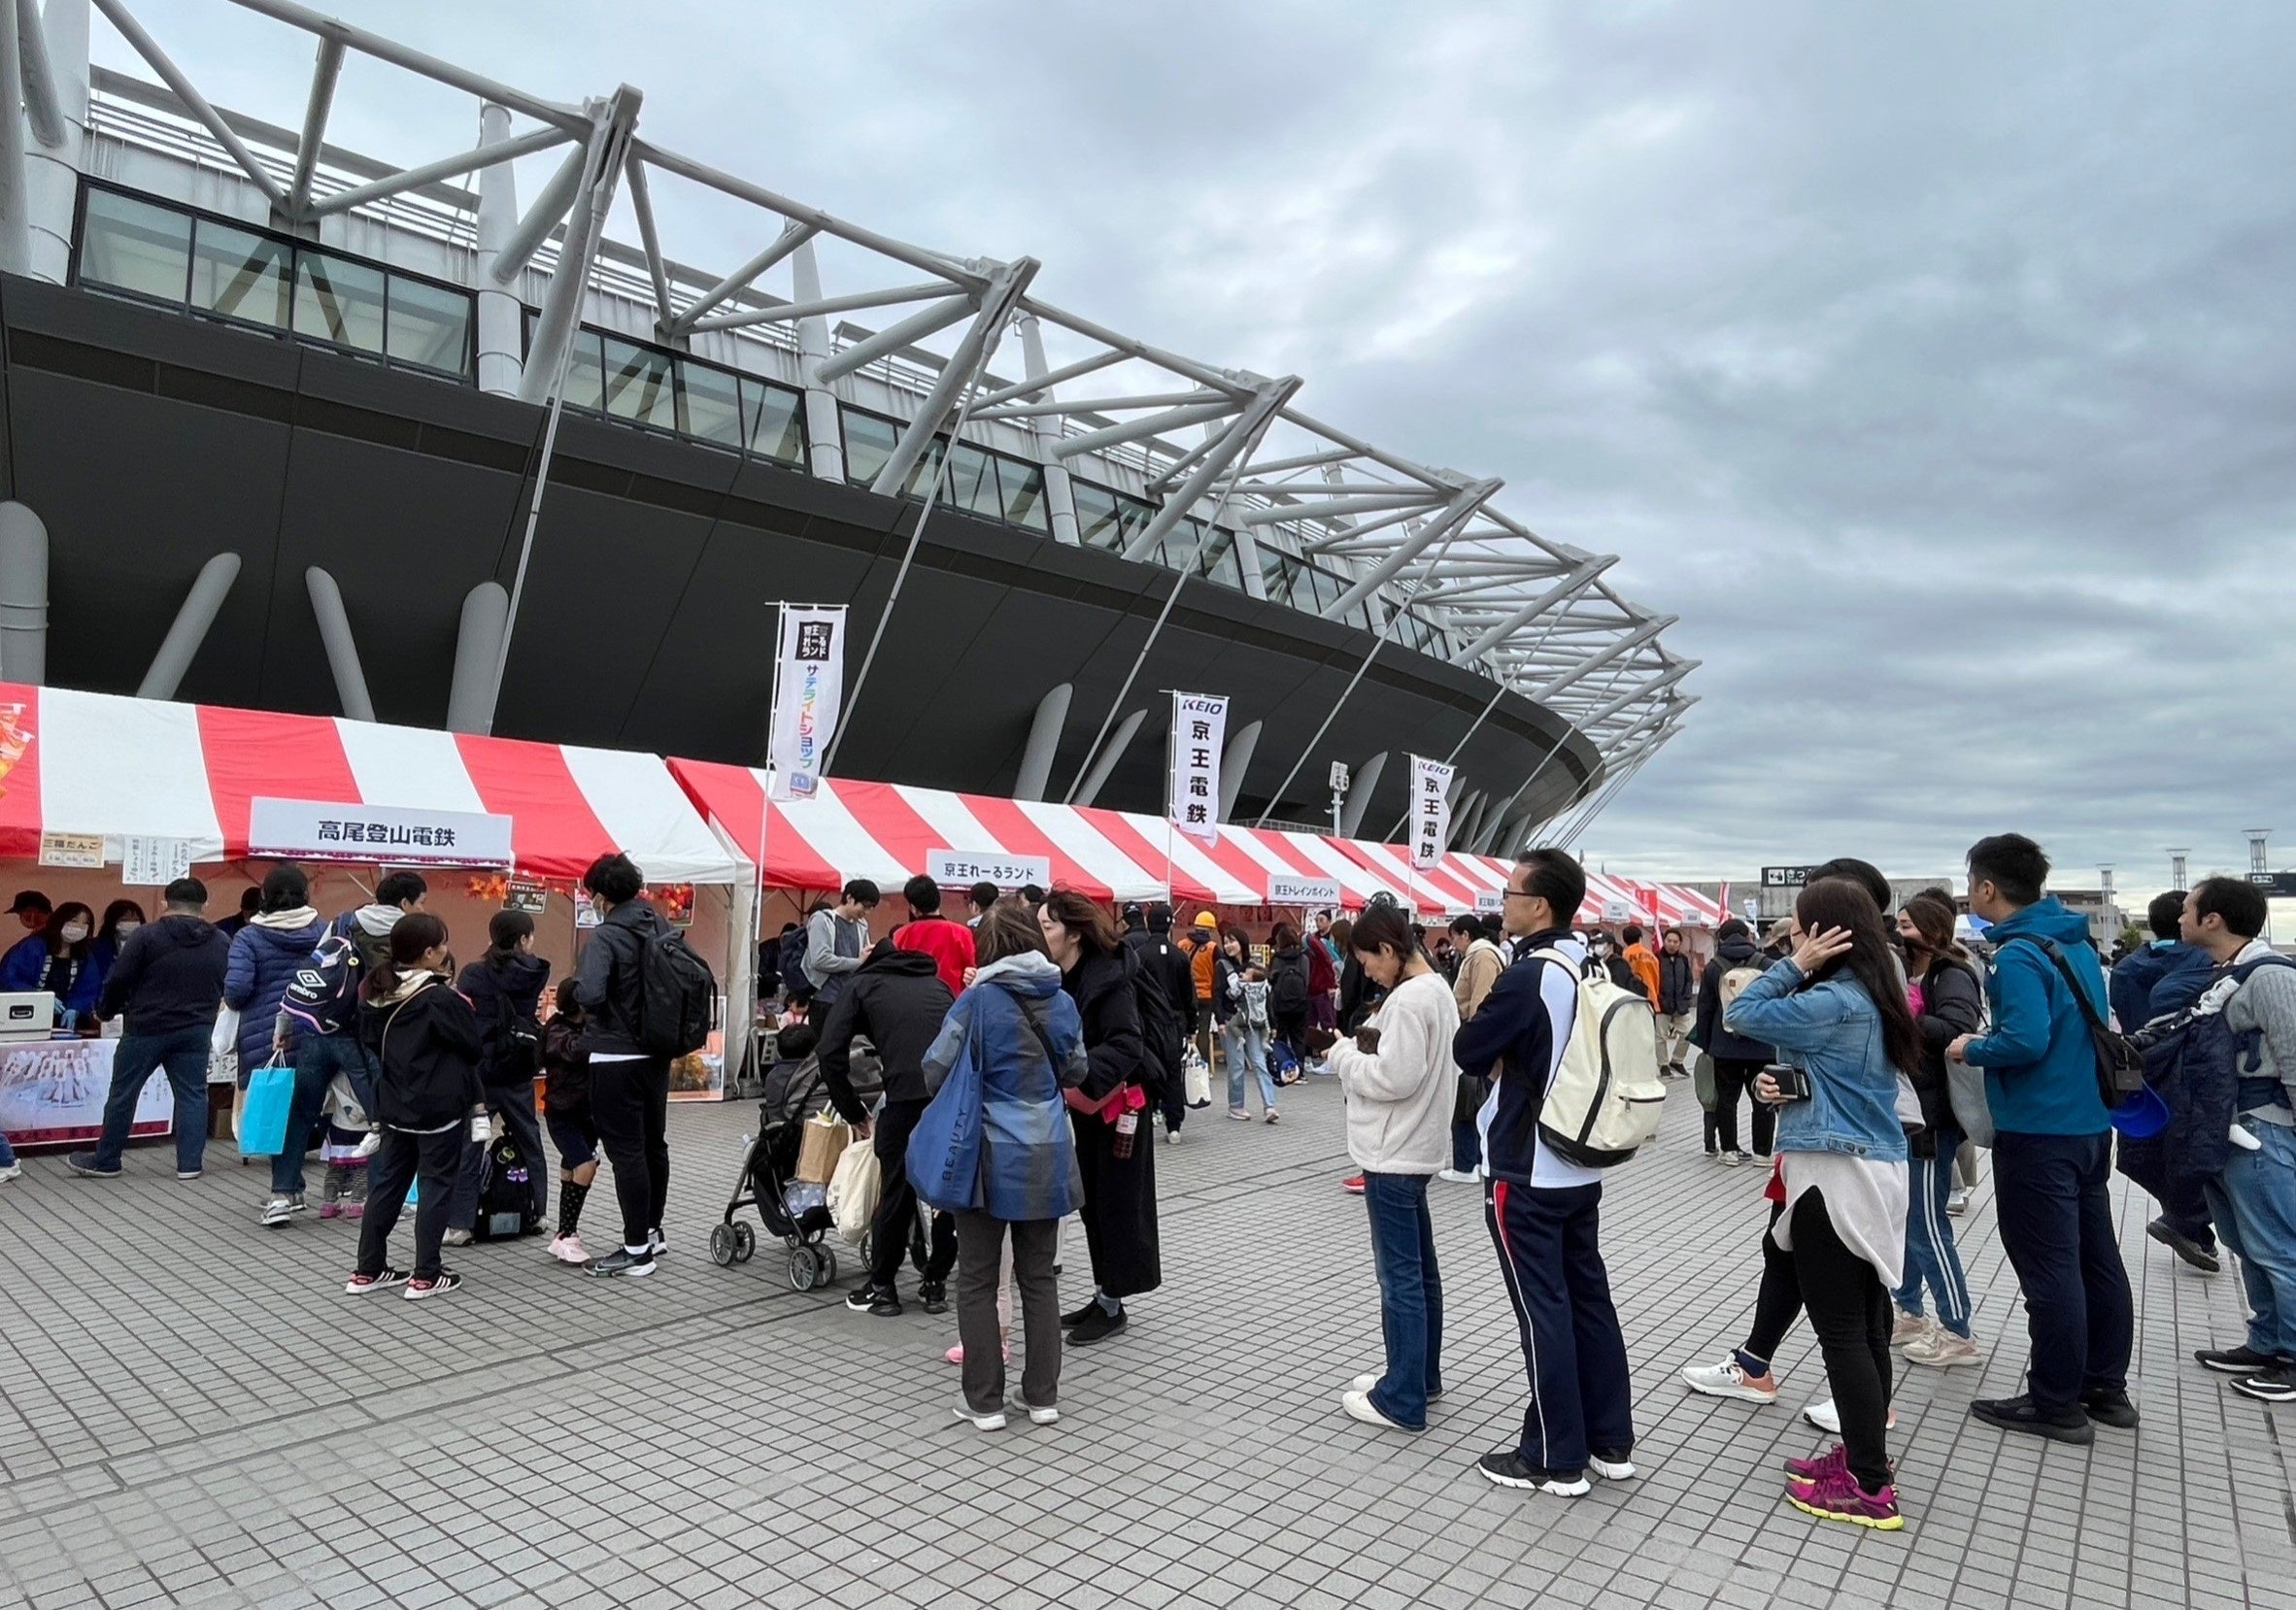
709 404
1022 486
428 325
638 385
972 482
133 246
339 301
868 444
1097 521
1218 560
240 274
777 422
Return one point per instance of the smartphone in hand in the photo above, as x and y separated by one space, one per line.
1793 1084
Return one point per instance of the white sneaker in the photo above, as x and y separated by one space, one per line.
1941 1349
11 1172
1957 1200
994 1421
1454 1177
1364 1383
1823 1415
568 1248
1908 1330
1611 1470
1043 1417
279 1211
1728 1380
1358 1406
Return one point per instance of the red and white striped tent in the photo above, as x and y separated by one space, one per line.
73 763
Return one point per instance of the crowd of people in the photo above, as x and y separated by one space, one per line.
1032 1052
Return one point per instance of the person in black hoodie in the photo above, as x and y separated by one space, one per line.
504 987
169 982
1737 1058
426 1045
1289 995
1677 1001
897 999
1118 1164
1168 971
629 1086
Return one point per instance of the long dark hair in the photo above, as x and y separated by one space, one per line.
1285 937
1932 914
1095 929
117 912
413 937
1384 926
54 933
1845 903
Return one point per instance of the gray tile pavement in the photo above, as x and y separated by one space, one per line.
196 1416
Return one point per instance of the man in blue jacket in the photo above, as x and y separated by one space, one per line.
2052 1154
2155 980
1544 1210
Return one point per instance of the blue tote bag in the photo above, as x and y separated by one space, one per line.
944 1157
263 1111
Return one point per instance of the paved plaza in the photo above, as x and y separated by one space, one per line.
196 1416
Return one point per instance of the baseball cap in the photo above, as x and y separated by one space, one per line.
30 899
1132 912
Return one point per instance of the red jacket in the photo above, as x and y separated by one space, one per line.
948 943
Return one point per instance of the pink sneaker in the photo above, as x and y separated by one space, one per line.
1818 1465
956 1355
355 1210
330 1210
568 1249
1836 1496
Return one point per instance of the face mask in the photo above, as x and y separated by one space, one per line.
74 932
126 928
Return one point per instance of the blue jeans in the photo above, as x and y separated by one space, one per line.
7 1153
318 1057
184 1055
1932 1258
2254 1202
1246 1045
2049 1196
1410 1297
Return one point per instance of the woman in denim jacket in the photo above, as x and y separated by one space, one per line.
1835 1010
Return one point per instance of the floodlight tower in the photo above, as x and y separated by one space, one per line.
2178 880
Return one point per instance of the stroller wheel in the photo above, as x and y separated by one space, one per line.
745 1243
804 1273
829 1263
721 1245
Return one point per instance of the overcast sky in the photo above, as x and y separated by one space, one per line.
1935 364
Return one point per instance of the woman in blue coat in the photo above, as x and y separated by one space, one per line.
59 959
1025 1036
264 956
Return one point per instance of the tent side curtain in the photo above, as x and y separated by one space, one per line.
74 762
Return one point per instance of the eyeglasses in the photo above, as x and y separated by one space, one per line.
1515 895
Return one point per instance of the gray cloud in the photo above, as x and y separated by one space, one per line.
1935 365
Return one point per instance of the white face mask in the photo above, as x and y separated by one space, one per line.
126 928
74 932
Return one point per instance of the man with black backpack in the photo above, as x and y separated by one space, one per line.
2052 1153
650 1000
1164 989
318 1022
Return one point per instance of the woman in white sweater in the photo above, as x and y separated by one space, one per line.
1400 1081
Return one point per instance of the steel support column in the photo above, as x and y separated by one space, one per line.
1060 494
23 595
1359 795
1006 287
52 172
334 635
1044 742
1234 763
825 435
501 316
180 647
1118 742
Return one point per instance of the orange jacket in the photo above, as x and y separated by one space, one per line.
1645 965
1201 962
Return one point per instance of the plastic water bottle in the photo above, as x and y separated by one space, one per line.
1127 1129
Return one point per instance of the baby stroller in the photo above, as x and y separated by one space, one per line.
797 1212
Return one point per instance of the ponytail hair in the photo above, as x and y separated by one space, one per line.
412 938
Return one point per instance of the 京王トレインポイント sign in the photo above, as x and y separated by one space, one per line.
961 868
1302 892
1200 727
314 830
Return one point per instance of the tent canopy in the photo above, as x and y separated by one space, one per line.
73 763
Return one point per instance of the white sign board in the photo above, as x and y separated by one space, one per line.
1431 810
808 691
312 829
1302 892
1199 728
1617 911
1488 901
1338 777
79 852
963 868
154 863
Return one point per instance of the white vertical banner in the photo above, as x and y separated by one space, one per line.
1431 810
808 689
1200 728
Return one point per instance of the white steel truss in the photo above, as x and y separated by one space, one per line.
1386 536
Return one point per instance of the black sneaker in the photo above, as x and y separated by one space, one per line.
439 1285
2277 1385
618 1263
2237 1361
1070 1321
882 1301
2110 1406
933 1297
383 1280
85 1162
2184 1246
2022 1414
1505 1468
1097 1327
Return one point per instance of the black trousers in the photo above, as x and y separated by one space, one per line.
1851 1312
1733 1077
897 1202
629 1103
2049 1194
1574 1352
398 1162
1778 1304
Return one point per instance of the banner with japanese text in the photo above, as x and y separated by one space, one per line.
1431 810
1200 728
808 691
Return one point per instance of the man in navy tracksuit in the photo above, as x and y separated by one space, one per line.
2151 981
1545 1212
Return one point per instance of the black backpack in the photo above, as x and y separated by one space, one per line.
1287 990
1160 1020
792 961
2120 1065
677 995
506 1193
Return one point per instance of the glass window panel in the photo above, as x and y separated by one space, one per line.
586 374
1024 494
239 274
429 324
868 444
1277 572
972 482
1132 517
134 246
709 404
928 466
339 301
1096 516
1218 560
777 423
638 385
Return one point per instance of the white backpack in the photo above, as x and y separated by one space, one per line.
1606 1100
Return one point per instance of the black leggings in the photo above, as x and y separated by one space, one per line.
1849 1311
1778 1304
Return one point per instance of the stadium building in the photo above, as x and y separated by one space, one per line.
279 420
